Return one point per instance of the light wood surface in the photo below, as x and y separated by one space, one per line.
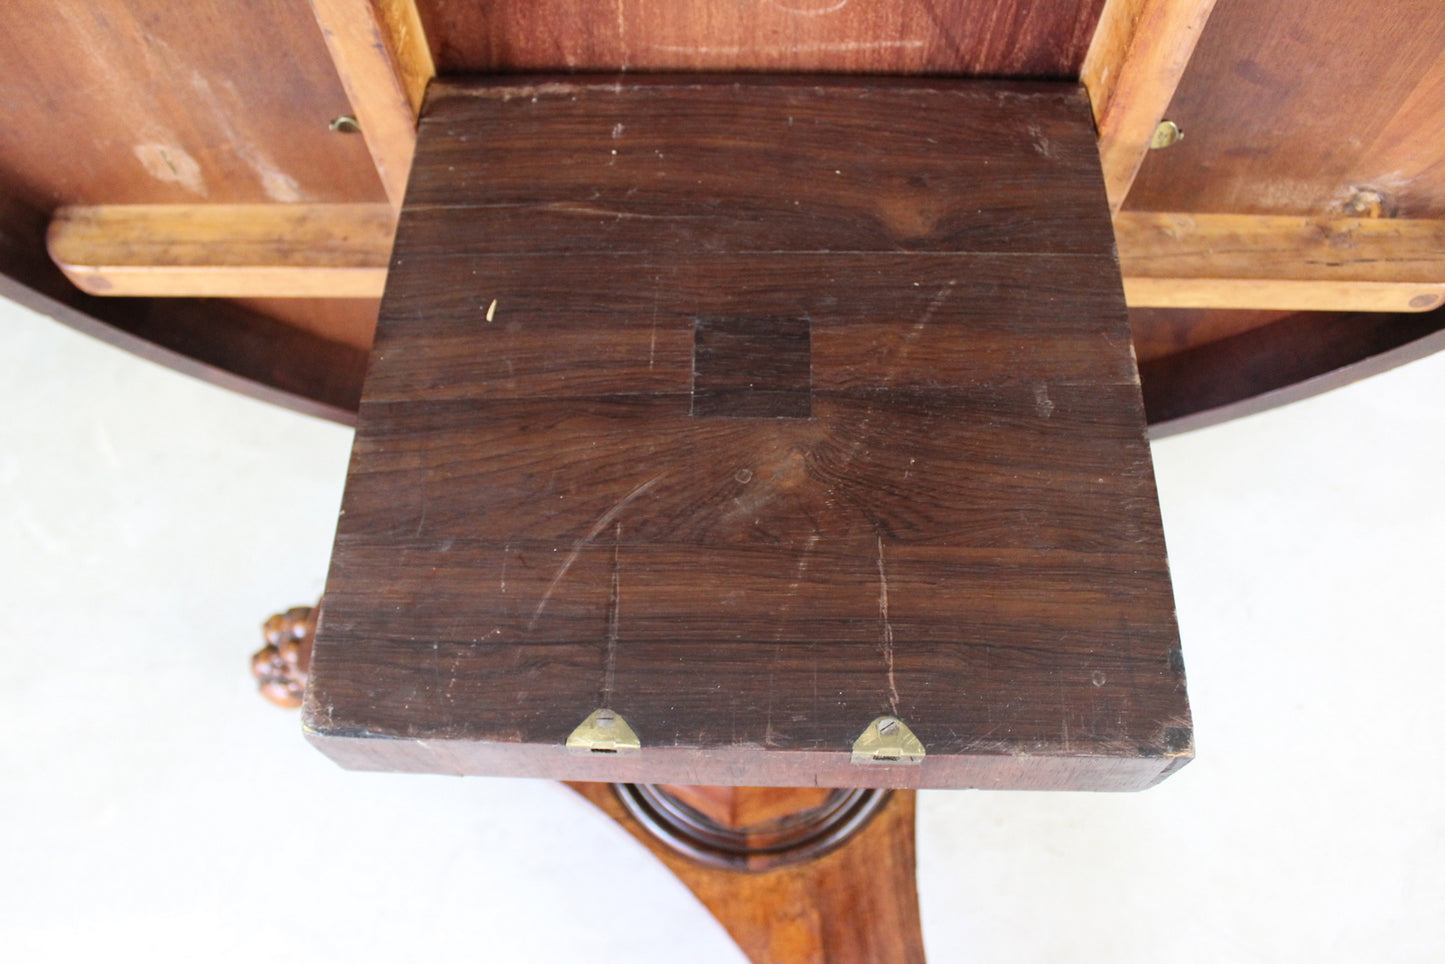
155 102
225 250
1138 54
1295 108
1022 38
1280 295
382 57
1282 263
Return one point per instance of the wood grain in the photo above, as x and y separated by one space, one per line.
963 531
1292 108
1158 332
216 341
406 41
1294 358
348 321
141 101
1036 38
225 250
385 64
1276 295
619 154
1133 66
1281 263
859 903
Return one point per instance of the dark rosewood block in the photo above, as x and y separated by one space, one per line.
750 412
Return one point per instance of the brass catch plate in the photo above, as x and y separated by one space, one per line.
888 740
604 732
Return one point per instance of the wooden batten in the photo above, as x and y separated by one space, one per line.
1173 260
1169 260
1138 54
225 250
382 57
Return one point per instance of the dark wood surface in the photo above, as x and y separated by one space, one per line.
1160 332
1294 358
858 903
963 532
1018 38
771 155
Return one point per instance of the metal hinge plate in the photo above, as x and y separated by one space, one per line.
604 732
888 740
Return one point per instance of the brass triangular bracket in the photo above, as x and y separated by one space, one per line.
604 732
888 740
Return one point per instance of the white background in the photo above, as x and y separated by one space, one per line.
151 805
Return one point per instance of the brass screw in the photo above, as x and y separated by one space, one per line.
1166 134
345 124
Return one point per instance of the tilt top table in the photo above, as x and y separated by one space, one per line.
758 446
768 432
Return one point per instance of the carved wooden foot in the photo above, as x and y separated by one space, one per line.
796 875
281 666
857 903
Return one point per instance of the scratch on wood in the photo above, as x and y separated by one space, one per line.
777 637
802 565
452 678
1042 403
602 522
814 661
887 627
614 617
535 91
1042 145
592 210
809 11
901 355
622 34
652 344
838 46
895 362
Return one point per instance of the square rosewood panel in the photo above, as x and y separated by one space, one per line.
751 411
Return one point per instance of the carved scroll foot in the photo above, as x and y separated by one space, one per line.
282 665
